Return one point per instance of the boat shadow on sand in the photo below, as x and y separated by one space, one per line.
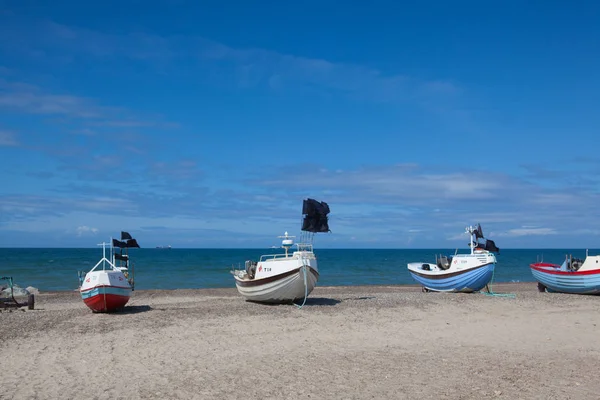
325 301
311 301
133 310
321 301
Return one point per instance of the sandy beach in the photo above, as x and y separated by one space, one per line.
345 343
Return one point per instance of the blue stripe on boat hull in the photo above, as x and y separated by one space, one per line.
576 284
471 280
105 290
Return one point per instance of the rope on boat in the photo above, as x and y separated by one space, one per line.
490 292
305 285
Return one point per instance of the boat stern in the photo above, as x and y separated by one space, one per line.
105 290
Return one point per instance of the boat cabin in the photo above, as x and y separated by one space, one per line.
573 264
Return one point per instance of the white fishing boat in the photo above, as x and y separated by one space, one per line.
108 285
291 276
460 272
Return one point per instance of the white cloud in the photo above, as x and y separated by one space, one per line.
457 237
558 199
30 99
249 66
83 230
529 231
400 183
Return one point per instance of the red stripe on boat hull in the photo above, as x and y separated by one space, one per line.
106 302
545 267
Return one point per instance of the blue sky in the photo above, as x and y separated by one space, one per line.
205 124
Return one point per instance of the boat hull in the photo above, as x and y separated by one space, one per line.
575 282
106 298
285 287
466 281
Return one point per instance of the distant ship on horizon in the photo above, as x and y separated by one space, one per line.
164 247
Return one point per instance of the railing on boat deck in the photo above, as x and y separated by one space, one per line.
271 256
305 247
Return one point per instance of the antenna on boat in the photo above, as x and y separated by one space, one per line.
287 242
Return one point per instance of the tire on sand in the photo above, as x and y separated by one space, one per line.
541 287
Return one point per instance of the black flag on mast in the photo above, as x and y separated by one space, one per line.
132 243
478 232
315 216
491 246
118 243
125 244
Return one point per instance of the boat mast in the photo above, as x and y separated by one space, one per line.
104 255
470 231
112 251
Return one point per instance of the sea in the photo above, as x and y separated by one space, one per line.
53 269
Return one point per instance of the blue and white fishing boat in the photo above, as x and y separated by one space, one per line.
572 276
461 272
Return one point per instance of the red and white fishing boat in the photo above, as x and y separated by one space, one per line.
107 287
572 276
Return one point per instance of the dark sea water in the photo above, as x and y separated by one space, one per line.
56 269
